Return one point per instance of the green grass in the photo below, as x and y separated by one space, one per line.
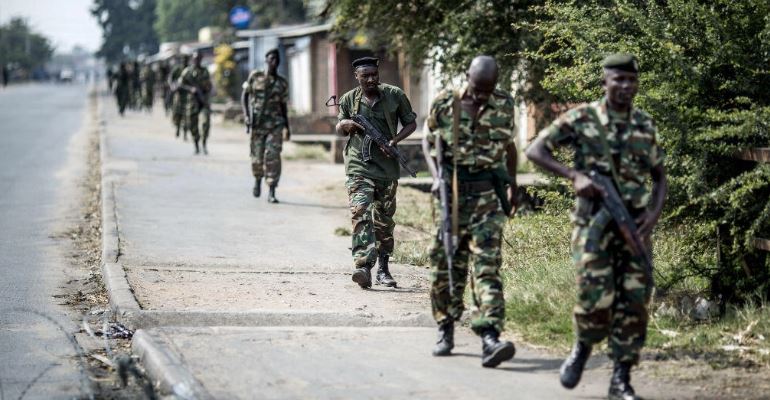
539 282
313 152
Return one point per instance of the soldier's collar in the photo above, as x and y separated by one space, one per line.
490 101
605 112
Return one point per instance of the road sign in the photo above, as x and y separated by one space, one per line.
240 17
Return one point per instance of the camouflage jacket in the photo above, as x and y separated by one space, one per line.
196 76
631 138
481 145
266 94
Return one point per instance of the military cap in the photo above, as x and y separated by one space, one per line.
366 62
274 52
622 61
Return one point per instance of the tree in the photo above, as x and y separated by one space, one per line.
180 20
448 33
127 27
22 47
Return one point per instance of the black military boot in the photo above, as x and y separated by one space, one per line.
383 273
363 277
493 351
205 149
620 384
257 187
185 133
446 338
572 368
177 131
197 148
271 196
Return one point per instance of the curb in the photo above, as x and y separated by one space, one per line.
167 369
121 296
143 319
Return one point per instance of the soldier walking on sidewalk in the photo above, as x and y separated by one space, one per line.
470 149
196 82
264 100
610 137
372 184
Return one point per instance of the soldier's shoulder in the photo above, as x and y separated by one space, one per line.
443 98
503 99
391 89
255 74
348 96
641 116
281 78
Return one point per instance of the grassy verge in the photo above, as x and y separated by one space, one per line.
313 152
539 281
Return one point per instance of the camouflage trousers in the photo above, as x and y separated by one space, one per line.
178 106
266 146
479 238
192 119
612 290
372 206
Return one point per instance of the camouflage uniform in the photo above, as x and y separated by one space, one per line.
372 185
482 148
266 95
148 86
179 99
612 284
199 78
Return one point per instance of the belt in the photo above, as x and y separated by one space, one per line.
474 186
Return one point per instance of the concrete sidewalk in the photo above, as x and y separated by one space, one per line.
237 298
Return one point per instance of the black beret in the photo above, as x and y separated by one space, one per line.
366 62
621 61
273 52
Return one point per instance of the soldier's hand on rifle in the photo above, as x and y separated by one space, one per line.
350 126
388 150
585 187
246 120
645 223
286 134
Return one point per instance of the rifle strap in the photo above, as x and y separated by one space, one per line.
455 185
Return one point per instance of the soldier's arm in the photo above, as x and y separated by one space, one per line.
345 126
511 164
429 159
245 105
649 218
540 154
407 118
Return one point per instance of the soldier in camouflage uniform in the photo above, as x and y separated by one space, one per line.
178 97
486 158
264 100
148 86
615 139
196 82
372 185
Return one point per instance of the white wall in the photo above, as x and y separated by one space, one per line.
300 87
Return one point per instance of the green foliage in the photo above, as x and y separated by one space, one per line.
180 20
21 47
127 28
449 33
706 80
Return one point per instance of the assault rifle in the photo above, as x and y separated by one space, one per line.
372 134
447 234
626 225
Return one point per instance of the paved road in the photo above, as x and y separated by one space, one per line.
38 128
